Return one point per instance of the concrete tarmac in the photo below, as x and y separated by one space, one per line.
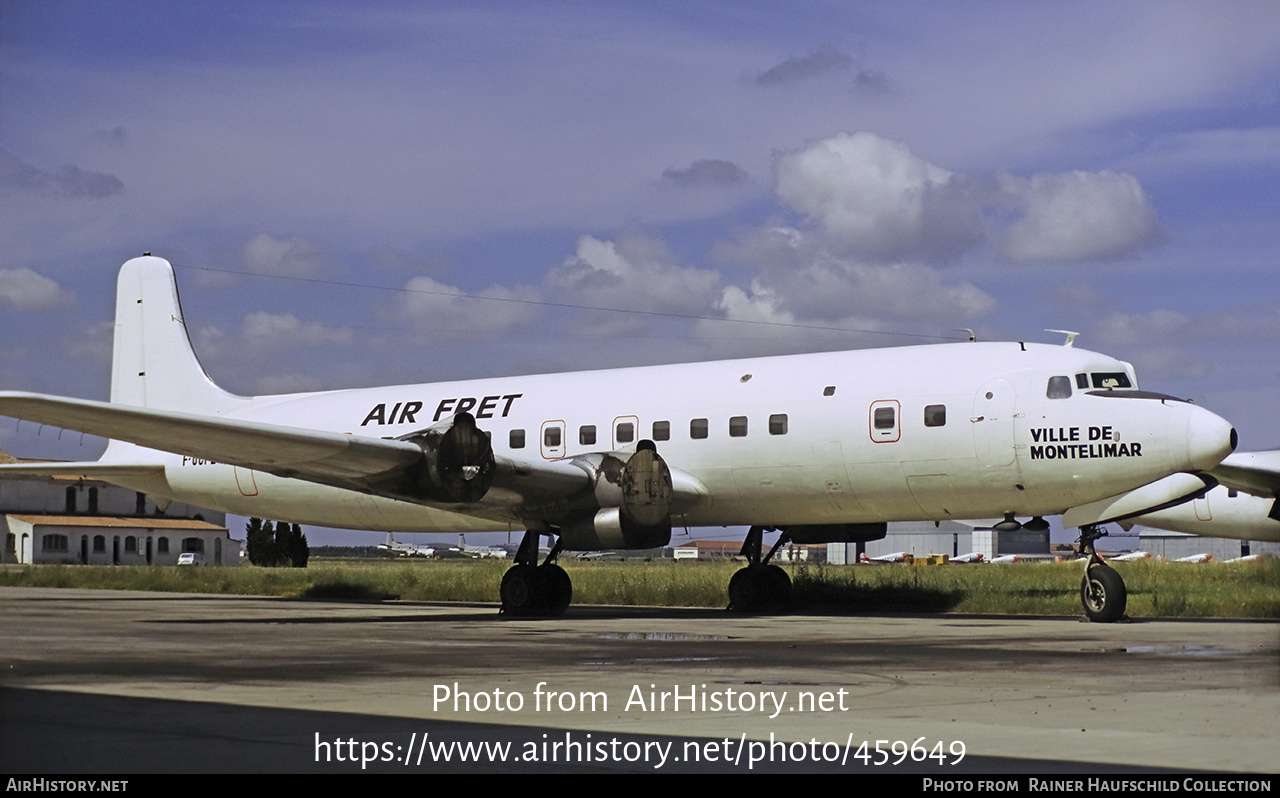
131 682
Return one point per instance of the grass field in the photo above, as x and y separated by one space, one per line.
1240 590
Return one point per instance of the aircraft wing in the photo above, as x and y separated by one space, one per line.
378 466
326 457
1257 473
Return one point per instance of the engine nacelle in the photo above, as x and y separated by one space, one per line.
634 499
609 528
457 462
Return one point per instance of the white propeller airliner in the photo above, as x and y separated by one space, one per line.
820 447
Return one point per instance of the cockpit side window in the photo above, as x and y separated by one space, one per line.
1111 379
1059 388
1082 381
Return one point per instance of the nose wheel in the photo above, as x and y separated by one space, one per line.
1102 591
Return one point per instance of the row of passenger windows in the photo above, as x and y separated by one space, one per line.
699 428
884 417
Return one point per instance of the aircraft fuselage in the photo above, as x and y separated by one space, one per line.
940 432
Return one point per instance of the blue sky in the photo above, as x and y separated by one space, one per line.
336 182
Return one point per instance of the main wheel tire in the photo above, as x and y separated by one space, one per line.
776 587
1103 594
759 588
522 591
558 589
744 592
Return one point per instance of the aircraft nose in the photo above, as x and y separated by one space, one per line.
1210 438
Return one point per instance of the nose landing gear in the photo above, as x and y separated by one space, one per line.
1102 591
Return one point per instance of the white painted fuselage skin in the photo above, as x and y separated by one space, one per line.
1003 446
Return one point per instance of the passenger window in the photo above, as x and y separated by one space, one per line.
698 428
662 430
884 418
587 435
935 415
830 390
551 437
517 439
778 424
738 427
1059 388
626 432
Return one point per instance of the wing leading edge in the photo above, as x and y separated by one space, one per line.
1257 473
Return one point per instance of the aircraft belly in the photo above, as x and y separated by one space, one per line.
883 492
790 495
934 494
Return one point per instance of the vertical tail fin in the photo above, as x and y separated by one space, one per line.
153 363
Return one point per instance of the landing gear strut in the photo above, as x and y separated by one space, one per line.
532 590
760 587
1102 591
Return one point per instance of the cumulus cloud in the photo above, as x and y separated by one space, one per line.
1078 216
287 258
1121 329
821 61
708 173
635 273
68 181
814 282
441 311
876 199
284 330
23 289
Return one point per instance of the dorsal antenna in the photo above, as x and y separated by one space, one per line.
1071 336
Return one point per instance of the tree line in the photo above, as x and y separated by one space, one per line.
279 545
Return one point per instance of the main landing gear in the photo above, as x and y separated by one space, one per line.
531 590
1102 591
760 587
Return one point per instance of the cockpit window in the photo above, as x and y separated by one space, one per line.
1059 388
1111 379
1082 381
